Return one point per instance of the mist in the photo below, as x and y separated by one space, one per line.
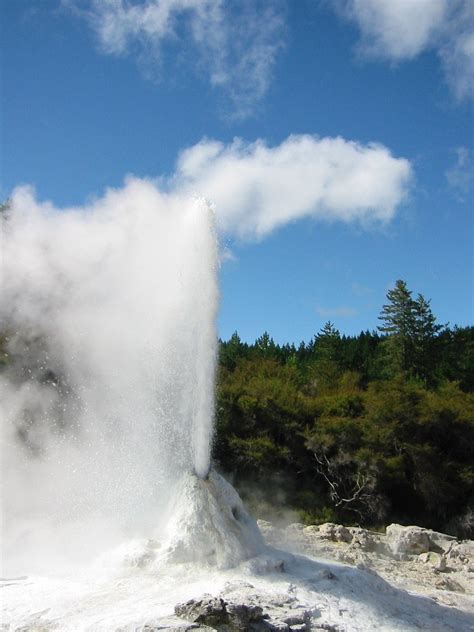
108 395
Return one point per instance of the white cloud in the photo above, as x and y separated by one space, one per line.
235 45
257 188
457 51
461 175
398 30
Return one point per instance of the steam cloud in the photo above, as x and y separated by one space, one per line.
109 311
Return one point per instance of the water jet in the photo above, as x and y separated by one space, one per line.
204 476
121 299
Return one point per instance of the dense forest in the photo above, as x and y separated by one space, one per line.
366 429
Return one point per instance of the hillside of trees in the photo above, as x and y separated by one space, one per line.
366 429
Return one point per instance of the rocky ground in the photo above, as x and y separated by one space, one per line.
410 558
413 558
327 577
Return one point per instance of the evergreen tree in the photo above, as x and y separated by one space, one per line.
327 348
398 315
425 321
231 350
328 342
425 340
265 345
456 356
399 323
412 342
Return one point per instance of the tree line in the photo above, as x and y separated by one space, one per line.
365 429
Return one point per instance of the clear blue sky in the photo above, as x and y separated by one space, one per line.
93 91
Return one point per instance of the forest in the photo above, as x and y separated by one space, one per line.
363 430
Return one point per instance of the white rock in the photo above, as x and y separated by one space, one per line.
441 540
335 532
437 561
405 541
363 539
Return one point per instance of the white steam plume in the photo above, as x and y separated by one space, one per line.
108 398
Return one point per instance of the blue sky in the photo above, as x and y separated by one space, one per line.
355 161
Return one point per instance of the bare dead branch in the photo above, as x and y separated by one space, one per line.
344 491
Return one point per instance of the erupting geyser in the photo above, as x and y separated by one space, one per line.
109 390
112 517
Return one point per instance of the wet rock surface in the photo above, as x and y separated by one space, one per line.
227 615
208 610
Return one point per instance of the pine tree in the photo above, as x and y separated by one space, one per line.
399 314
411 344
399 323
231 350
328 342
265 345
426 333
327 346
426 326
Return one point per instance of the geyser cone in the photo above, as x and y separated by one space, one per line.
209 524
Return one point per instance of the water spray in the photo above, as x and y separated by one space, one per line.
124 295
204 476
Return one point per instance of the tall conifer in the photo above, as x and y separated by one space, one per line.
399 323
